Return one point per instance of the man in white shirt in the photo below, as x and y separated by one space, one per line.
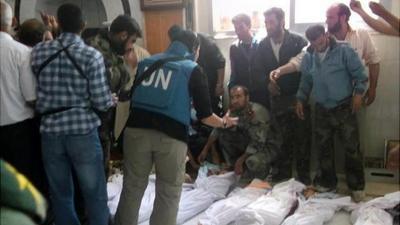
337 17
18 131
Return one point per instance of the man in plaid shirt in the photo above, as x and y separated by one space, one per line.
71 85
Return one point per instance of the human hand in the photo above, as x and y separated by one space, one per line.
356 103
238 167
274 89
203 155
114 98
300 110
370 96
377 8
274 75
49 21
356 6
230 121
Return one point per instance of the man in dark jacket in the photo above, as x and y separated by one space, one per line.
277 49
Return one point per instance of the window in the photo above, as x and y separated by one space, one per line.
303 13
297 20
225 10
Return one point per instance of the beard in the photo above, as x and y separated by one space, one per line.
118 46
273 32
335 28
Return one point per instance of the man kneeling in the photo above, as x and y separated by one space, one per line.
250 146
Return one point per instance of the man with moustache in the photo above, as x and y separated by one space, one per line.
116 45
249 147
241 54
337 79
337 20
279 48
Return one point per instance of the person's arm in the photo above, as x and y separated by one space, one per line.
359 78
238 168
379 10
372 59
198 86
373 82
27 80
376 24
292 66
300 43
100 94
219 87
306 81
210 142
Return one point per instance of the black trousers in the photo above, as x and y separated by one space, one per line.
20 146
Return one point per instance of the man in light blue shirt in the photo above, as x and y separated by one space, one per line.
338 79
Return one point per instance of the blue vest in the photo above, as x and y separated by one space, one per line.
166 91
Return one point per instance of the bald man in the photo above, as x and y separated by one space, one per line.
337 20
18 132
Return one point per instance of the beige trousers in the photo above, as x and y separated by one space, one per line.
142 148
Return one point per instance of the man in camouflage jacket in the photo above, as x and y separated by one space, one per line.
116 45
251 145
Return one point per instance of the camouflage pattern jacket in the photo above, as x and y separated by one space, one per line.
117 72
254 132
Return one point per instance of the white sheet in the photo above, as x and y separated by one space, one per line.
206 191
316 211
225 211
195 198
272 208
373 213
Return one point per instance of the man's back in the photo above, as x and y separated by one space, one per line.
17 83
62 86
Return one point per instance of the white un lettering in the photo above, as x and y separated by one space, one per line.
160 78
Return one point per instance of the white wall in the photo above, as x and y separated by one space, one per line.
381 119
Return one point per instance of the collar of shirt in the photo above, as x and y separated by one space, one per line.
67 38
4 35
322 55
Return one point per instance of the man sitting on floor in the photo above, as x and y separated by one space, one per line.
250 145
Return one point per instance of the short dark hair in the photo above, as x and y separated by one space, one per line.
31 32
125 23
242 18
278 12
187 37
245 89
315 31
70 18
344 10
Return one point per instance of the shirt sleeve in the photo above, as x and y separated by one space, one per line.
370 52
296 61
27 79
198 88
100 94
306 81
262 137
356 69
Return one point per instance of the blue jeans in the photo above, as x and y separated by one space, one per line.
82 153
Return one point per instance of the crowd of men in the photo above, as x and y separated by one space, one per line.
80 92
